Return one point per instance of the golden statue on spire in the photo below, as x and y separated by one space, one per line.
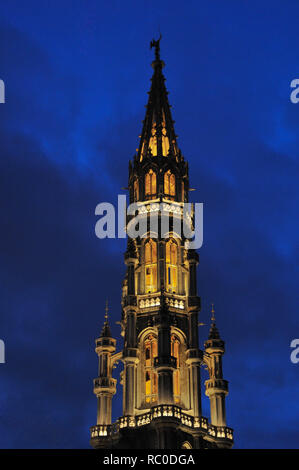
156 44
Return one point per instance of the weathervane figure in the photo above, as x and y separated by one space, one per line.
156 45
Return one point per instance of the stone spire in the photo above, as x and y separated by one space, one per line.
106 332
214 333
158 137
216 386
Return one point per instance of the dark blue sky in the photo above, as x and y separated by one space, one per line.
76 75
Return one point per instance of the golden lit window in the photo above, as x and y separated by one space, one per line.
150 249
150 183
171 266
183 191
165 141
150 375
153 141
136 190
169 184
175 352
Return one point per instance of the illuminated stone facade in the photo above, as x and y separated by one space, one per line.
160 306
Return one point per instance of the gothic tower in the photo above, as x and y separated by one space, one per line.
161 356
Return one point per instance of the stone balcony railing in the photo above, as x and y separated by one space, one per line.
104 382
151 300
160 411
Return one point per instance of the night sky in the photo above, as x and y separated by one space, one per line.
77 75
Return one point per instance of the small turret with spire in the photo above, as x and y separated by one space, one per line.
214 333
216 386
106 332
105 384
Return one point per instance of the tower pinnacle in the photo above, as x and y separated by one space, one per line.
156 45
106 311
213 319
106 332
214 333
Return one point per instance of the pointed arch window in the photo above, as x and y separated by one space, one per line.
150 375
150 184
150 250
165 141
153 140
169 184
175 352
171 265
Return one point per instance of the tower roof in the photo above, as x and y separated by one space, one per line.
106 332
158 137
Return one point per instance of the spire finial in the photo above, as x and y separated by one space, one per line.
213 330
106 311
106 328
156 44
213 319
